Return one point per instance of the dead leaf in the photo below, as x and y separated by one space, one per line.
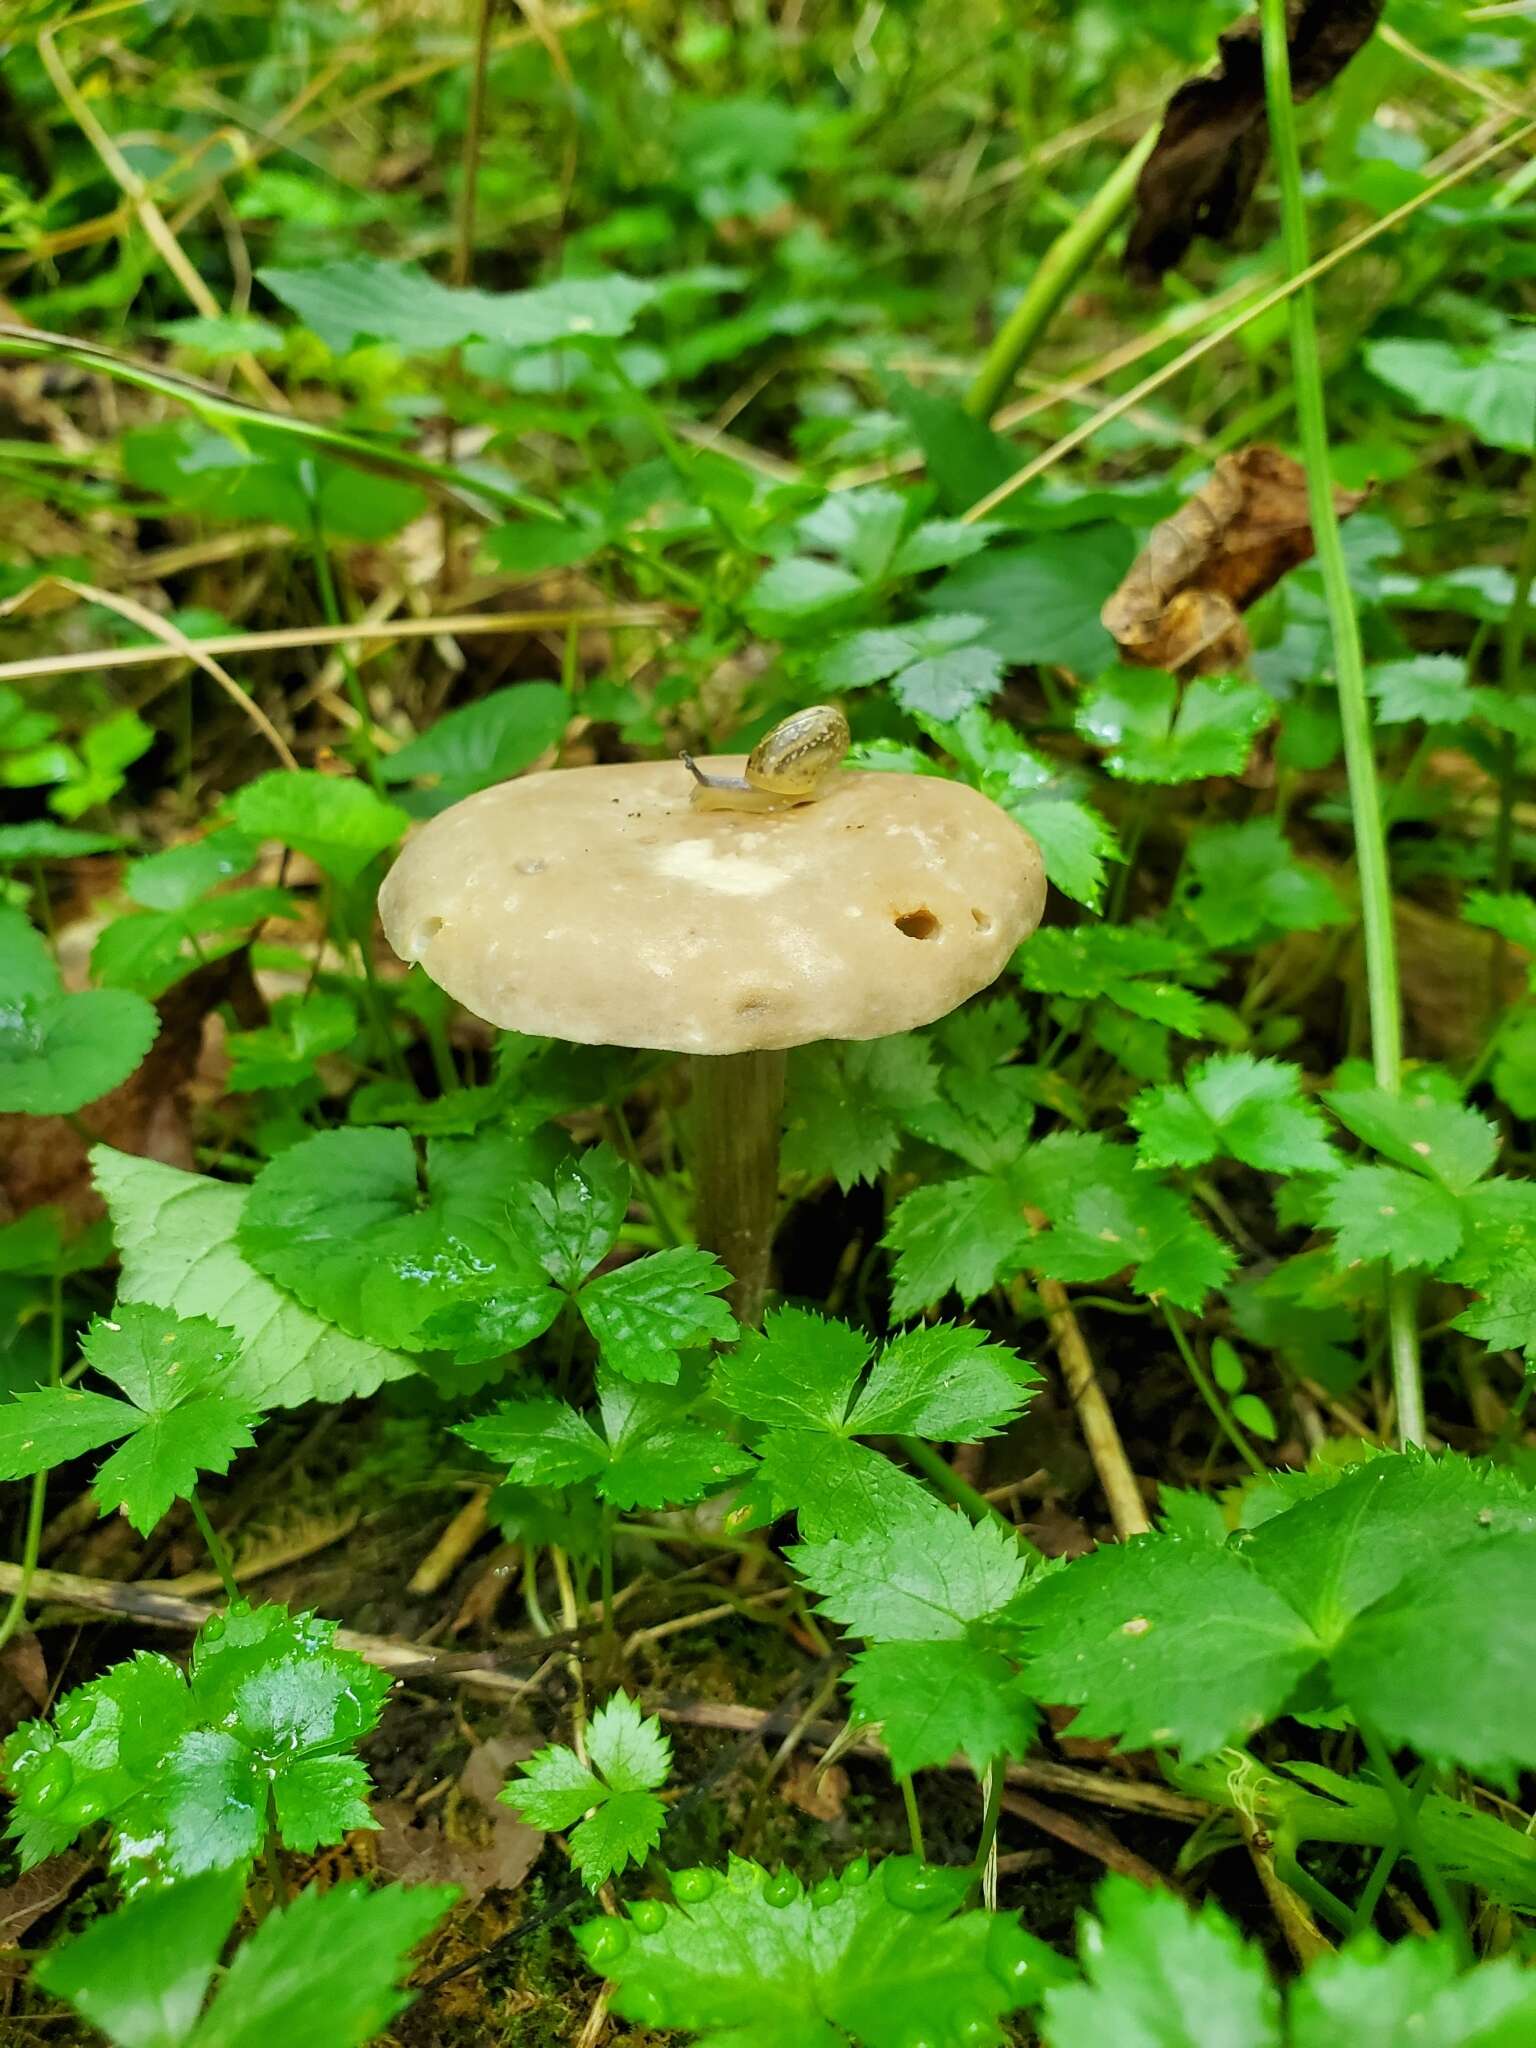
23 1665
25 1902
1180 606
821 1793
471 1840
1215 134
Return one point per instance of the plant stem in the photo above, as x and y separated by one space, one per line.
914 1818
1511 657
32 1540
1055 274
738 1101
1381 975
922 1454
1212 1399
1405 1811
326 583
215 1546
993 1781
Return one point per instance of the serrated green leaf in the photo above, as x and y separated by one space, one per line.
934 1700
342 825
348 302
644 1314
1486 386
1248 1109
177 1235
798 1369
1382 1212
1431 687
322 1972
960 1236
1244 883
541 1442
629 1757
1126 1635
1154 731
1105 1214
59 1052
880 652
945 1382
1160 1976
140 1975
847 1104
742 1968
657 1455
1373 1996
572 1223
925 1578
1422 1130
491 740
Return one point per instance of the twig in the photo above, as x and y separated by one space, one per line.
1088 1839
1117 1481
454 1545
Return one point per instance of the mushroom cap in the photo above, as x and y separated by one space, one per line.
598 905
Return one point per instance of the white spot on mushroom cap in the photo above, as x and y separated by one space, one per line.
712 867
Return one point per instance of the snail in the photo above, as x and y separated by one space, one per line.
793 764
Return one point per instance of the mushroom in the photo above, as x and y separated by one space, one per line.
630 905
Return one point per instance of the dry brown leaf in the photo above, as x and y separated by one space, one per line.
820 1792
1215 133
25 1902
1180 606
472 1841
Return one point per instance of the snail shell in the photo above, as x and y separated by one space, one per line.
791 764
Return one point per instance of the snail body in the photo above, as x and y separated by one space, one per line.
792 764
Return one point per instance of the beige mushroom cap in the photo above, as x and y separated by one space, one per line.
598 905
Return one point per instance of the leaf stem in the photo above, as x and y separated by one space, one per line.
215 1546
914 1818
993 1781
1055 274
934 1466
32 1540
1382 987
1405 1811
1212 1399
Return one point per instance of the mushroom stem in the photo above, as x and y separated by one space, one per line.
738 1101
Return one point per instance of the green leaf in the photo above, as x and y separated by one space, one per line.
658 1456
1381 1212
569 1226
643 1314
1238 1106
933 1700
263 477
1431 687
140 1975
1243 884
801 591
960 1236
41 839
177 1235
755 1962
541 1442
923 1579
488 741
880 652
106 748
629 1757
151 952
1073 838
282 1054
340 824
1422 1130
1373 1996
947 685
190 1774
847 1104
322 1972
179 1418
1446 1661
832 1485
345 303
1486 387
1160 1976
1513 917
799 1368
1105 1213
340 1221
944 1382
59 1052
176 878
1128 1634
1155 731
1040 603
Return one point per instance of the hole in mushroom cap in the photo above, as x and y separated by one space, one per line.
753 1004
424 934
918 924
980 919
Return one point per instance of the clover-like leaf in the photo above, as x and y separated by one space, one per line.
1235 1105
628 1757
643 1314
1154 731
179 1417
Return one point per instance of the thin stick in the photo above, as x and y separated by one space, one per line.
1117 1481
1129 400
1382 989
459 625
